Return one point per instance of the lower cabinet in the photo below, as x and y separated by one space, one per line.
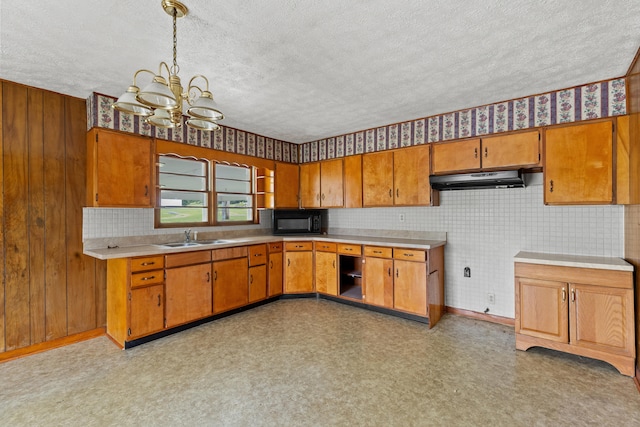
135 297
230 280
584 311
410 286
188 287
275 269
378 276
326 272
298 267
257 272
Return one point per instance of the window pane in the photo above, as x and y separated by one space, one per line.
228 186
174 165
233 172
235 200
182 198
235 214
178 215
182 182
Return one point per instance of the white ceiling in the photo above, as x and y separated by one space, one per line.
304 70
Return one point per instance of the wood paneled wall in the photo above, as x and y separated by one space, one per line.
50 289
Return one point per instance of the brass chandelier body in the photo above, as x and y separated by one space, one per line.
160 102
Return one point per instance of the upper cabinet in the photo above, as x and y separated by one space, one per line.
321 184
286 185
118 169
353 181
578 166
513 151
399 177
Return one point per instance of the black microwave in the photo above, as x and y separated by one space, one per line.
299 221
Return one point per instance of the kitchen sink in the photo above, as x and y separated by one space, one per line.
180 244
213 242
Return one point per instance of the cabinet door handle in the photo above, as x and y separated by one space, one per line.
322 196
397 271
208 277
390 193
573 295
251 279
564 294
551 186
486 151
146 190
215 275
148 278
159 300
389 271
475 152
271 264
288 262
397 192
144 264
318 196
334 263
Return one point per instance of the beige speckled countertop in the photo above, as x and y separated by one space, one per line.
600 263
158 249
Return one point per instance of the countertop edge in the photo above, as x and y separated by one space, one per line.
580 261
154 249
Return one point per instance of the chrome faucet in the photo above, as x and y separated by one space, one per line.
187 236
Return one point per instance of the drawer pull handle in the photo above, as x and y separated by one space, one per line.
348 249
377 252
406 254
257 255
144 264
148 278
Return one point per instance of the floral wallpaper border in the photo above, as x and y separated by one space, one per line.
591 101
100 114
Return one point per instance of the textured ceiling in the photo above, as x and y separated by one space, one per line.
303 70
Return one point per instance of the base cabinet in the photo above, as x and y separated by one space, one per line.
326 268
230 283
298 267
275 269
188 288
582 311
147 310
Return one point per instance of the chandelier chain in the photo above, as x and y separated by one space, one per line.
175 68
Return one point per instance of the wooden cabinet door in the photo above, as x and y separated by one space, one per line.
230 284
286 185
120 169
509 151
377 179
257 283
147 311
411 176
326 273
310 185
298 272
410 287
331 184
378 282
578 166
456 156
542 309
188 293
353 181
275 274
602 318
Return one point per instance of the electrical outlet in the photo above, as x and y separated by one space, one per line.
491 298
402 217
467 272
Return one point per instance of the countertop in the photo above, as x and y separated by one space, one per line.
156 249
600 263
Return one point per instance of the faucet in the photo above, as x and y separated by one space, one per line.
187 236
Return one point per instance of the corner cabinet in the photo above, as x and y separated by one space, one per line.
321 184
298 268
579 310
119 172
579 164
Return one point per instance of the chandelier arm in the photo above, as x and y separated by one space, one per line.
135 76
166 66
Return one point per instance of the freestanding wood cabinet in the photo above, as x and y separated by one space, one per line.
118 169
578 165
298 267
581 310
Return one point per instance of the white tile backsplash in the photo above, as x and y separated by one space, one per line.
486 228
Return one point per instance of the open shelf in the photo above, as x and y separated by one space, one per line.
350 285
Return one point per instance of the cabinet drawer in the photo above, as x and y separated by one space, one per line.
147 278
257 255
326 246
187 258
299 246
409 254
275 247
378 251
229 253
345 248
147 263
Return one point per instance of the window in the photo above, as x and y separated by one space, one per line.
183 193
234 196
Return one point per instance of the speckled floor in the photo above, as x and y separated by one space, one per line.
316 363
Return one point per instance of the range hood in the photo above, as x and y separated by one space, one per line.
479 180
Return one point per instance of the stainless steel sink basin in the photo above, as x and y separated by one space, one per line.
180 244
213 242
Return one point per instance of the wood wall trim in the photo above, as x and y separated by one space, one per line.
49 345
507 321
634 67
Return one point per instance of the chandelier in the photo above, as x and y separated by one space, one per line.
161 103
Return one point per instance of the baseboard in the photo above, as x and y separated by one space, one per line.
49 345
507 321
636 379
